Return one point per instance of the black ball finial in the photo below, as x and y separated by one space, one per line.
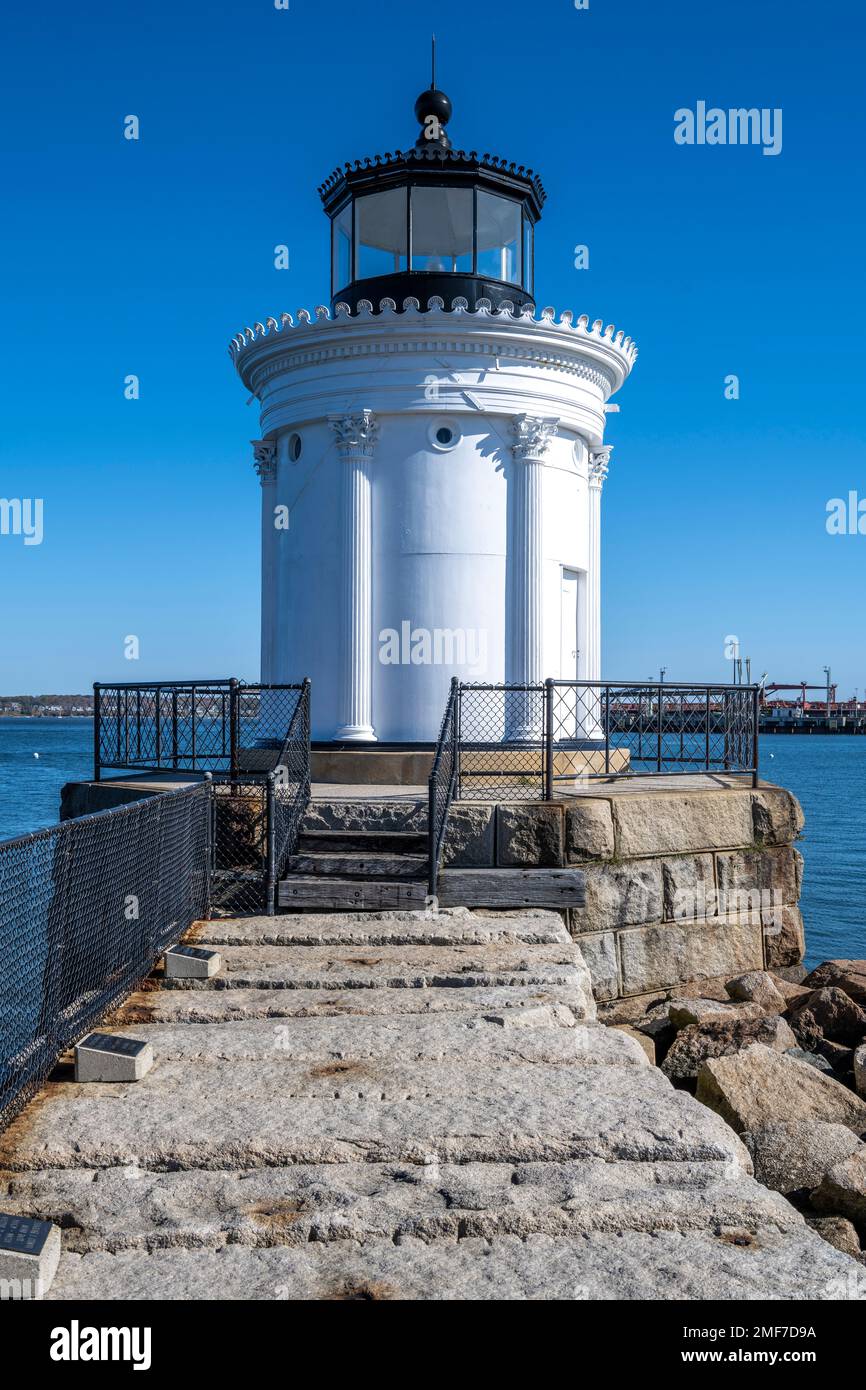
433 112
432 102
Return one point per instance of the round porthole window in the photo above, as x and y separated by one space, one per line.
295 447
444 434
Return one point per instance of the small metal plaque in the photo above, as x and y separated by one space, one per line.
105 1042
22 1235
197 952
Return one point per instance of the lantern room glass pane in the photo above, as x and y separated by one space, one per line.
442 229
341 261
499 237
380 233
528 234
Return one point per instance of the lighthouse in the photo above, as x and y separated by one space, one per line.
431 452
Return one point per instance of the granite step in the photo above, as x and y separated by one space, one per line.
449 926
361 864
368 841
700 1266
194 1007
219 1115
394 967
142 1209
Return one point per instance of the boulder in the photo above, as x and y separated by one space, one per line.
843 1190
696 1043
837 1232
793 994
685 1012
758 1086
814 1060
796 1156
757 987
642 1039
849 975
829 1013
791 974
860 1070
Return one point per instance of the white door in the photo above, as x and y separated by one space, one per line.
566 702
568 640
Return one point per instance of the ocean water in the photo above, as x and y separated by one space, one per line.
826 773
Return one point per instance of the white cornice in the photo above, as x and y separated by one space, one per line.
590 352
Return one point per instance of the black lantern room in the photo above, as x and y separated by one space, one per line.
432 221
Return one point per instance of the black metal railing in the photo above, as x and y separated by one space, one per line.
86 909
443 784
219 726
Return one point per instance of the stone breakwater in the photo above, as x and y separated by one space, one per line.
382 1106
681 885
781 1057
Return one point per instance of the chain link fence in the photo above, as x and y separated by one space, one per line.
86 909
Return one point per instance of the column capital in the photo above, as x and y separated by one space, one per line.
599 462
265 459
532 436
356 433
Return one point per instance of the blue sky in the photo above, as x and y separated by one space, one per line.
144 257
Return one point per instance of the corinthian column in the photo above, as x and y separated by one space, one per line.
525 658
599 462
356 440
265 462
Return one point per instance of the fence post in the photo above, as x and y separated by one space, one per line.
233 728
96 732
455 757
607 730
548 739
659 730
210 838
270 843
756 716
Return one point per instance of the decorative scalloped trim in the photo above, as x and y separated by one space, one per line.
415 156
436 309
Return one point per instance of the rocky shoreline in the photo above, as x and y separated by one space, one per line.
781 1057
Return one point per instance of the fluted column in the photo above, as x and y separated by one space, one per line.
525 666
599 462
356 440
265 463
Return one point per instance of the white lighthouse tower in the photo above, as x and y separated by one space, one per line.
432 450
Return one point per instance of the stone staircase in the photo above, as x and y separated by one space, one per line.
374 1106
372 856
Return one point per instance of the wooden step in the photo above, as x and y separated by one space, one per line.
307 891
362 842
506 888
360 865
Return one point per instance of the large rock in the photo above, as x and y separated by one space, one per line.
860 1070
758 880
849 975
660 957
784 938
794 1156
829 1013
470 838
843 1189
588 830
688 885
529 837
599 951
838 1232
695 1044
620 895
682 822
757 987
777 817
758 1087
683 1012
